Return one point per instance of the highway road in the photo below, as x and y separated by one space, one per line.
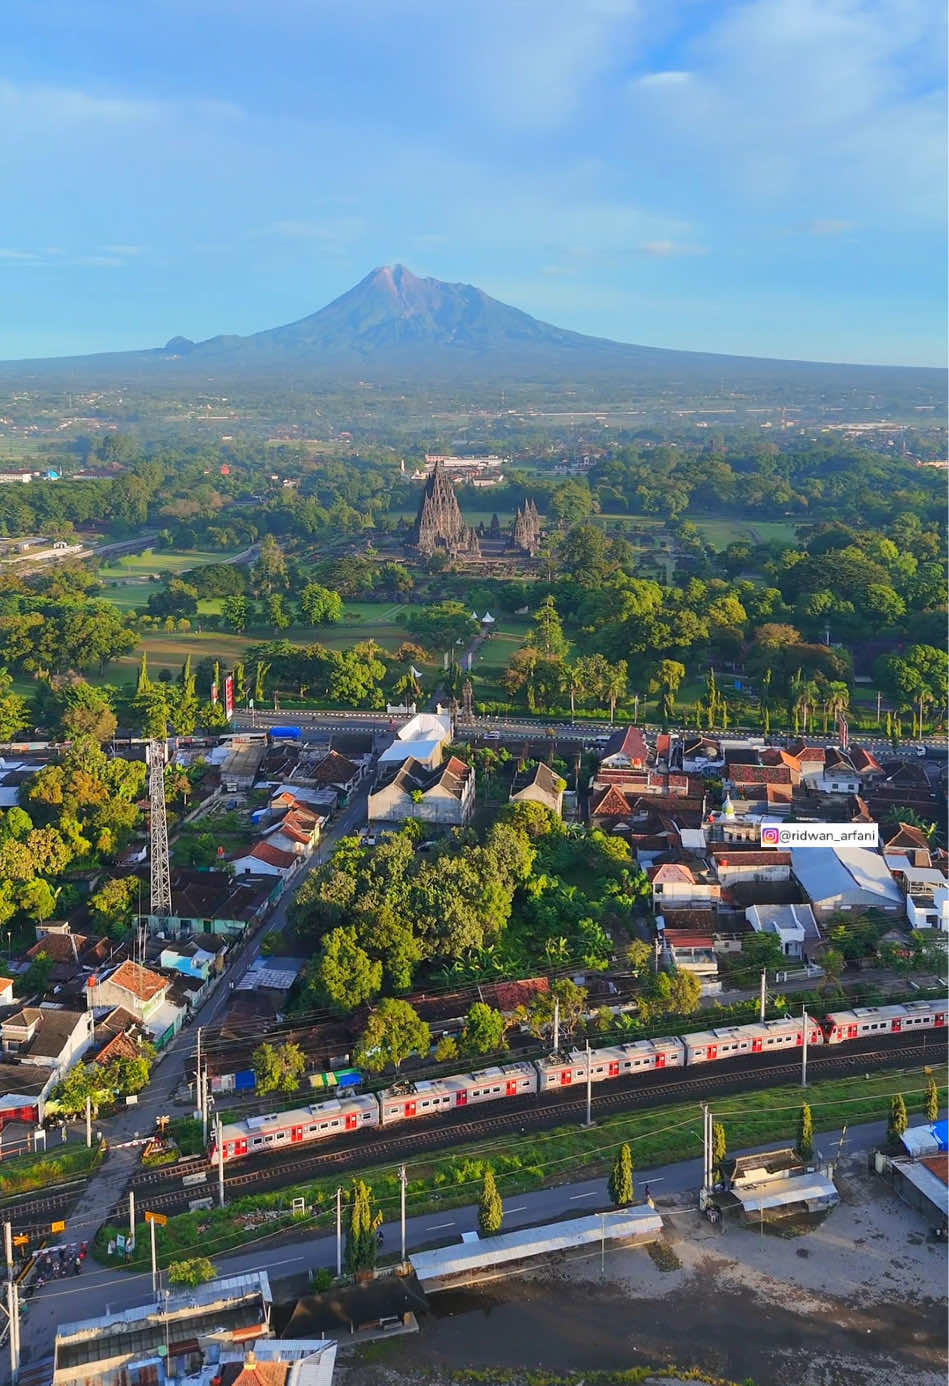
100 1290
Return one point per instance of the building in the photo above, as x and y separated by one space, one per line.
142 993
152 1344
625 750
439 524
443 797
845 878
538 784
924 1184
215 902
493 1257
927 906
46 1037
526 535
266 860
733 866
794 925
682 885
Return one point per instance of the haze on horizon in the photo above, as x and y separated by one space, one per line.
761 178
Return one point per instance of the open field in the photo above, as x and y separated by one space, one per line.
128 581
722 532
493 656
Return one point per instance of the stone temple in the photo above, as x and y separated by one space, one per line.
527 528
440 523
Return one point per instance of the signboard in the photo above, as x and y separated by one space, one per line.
57 1227
229 696
298 1207
21 1240
120 1241
159 1219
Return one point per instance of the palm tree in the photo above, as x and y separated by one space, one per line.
615 685
836 702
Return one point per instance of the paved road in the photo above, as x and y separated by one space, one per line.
101 1289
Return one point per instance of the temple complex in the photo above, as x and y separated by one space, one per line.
527 528
440 523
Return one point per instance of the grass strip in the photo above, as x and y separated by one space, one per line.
24 1173
534 1160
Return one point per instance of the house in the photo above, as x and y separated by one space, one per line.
444 796
625 750
681 884
538 784
927 906
865 763
266 860
70 954
337 772
701 753
845 878
215 902
287 796
907 839
118 1035
795 927
190 959
46 1037
691 952
144 994
736 864
298 832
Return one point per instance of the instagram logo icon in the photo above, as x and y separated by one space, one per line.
770 837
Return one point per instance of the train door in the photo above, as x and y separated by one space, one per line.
614 1069
296 1133
660 1059
713 1051
240 1148
897 1024
461 1098
757 1044
851 1031
511 1088
940 1017
352 1121
566 1077
410 1108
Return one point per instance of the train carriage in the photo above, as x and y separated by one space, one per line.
427 1097
336 1117
866 1021
731 1041
616 1061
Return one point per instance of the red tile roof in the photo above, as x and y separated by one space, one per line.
138 980
723 856
272 855
630 743
759 774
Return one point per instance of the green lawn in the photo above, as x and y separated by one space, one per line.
721 532
127 580
493 656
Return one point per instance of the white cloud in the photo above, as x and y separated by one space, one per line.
672 78
668 248
333 235
32 110
121 250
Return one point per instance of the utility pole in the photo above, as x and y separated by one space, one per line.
764 993
151 1228
89 1123
160 894
706 1148
8 1247
132 1214
403 1180
339 1232
220 1162
556 1024
203 1078
589 1120
804 1048
13 1313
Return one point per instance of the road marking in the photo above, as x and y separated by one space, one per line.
436 1227
591 1194
522 1209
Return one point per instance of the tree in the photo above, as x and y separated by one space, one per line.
932 1100
547 635
270 573
490 1206
112 906
13 708
320 606
279 1068
82 1083
573 1007
361 1226
441 626
622 1189
85 711
197 1270
640 956
898 1118
446 1050
805 1134
719 1148
235 613
666 683
277 614
394 1031
345 972
483 1032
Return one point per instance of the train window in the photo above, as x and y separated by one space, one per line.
258 1140
367 1116
311 1129
497 1089
281 1136
335 1123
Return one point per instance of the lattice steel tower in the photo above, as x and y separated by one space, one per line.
160 902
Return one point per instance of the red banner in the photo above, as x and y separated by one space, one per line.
229 696
214 694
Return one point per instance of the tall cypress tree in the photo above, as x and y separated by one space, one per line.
490 1207
361 1229
805 1134
932 1100
622 1188
899 1118
719 1147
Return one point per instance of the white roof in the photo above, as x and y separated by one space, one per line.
9 795
159 1021
400 751
492 1252
928 1183
487 619
799 1188
424 725
692 839
828 871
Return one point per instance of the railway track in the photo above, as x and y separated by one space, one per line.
267 1177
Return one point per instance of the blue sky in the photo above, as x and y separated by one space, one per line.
764 177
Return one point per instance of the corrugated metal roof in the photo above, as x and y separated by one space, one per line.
487 1253
800 1188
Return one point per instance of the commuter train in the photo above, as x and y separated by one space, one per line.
409 1099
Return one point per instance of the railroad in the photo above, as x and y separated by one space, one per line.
527 1113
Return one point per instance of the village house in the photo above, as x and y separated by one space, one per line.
298 832
264 859
144 994
442 797
845 878
625 750
733 865
214 902
538 784
682 884
46 1037
794 925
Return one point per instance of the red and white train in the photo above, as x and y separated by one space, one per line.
409 1099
